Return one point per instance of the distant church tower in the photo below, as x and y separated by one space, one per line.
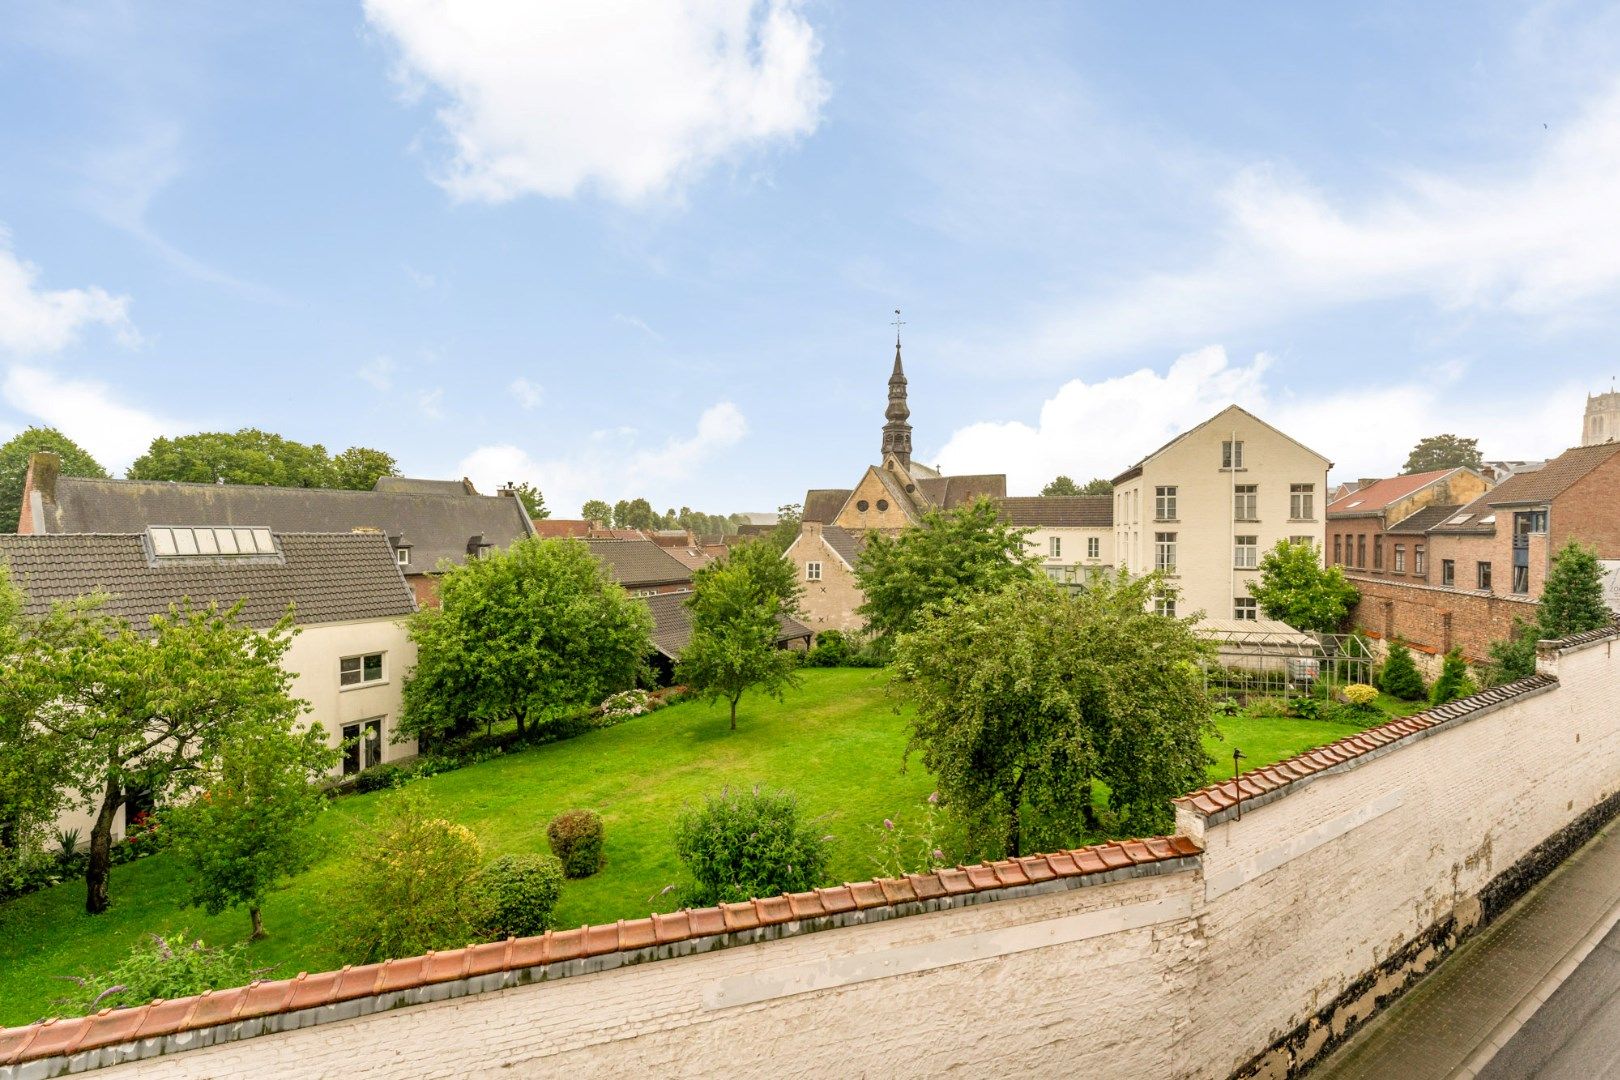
897 433
1602 419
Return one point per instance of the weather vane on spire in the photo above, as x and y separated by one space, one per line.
898 323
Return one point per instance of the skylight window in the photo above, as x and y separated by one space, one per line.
1349 505
1460 519
177 542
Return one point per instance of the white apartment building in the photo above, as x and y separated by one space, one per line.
1205 506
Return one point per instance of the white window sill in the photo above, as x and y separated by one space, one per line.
363 685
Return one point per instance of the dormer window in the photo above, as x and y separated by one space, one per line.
402 556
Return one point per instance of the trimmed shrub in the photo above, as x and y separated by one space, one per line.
159 967
1453 682
518 893
832 649
378 778
740 845
1361 696
1400 677
577 839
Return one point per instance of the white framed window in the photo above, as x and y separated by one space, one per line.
1164 552
1232 454
1246 552
1054 547
812 571
362 745
1246 607
1420 560
1093 547
1400 558
1308 540
402 556
1246 502
1302 501
360 670
1165 605
1164 503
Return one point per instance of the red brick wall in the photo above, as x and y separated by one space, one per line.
1433 619
426 588
1590 512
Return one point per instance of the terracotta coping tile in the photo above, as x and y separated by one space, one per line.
867 894
1088 861
1067 863
805 905
570 944
773 910
14 1042
262 999
438 966
164 1017
741 916
1113 857
311 990
1136 851
897 890
1038 868
982 876
218 1006
927 886
637 934
676 926
836 899
1009 872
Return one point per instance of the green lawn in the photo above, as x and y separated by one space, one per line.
837 742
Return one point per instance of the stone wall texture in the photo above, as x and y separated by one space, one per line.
1322 901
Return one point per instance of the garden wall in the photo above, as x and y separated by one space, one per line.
1351 870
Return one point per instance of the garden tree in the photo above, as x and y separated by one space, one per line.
1572 596
1400 677
359 468
14 455
30 794
786 529
948 554
1453 682
248 456
597 511
736 604
634 514
411 884
533 502
1065 486
1514 657
1443 452
1294 587
524 635
132 712
245 824
1027 695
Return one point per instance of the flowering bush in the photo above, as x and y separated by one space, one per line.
159 967
576 837
627 703
1360 696
901 851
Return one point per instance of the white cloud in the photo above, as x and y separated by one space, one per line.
608 468
378 372
1102 428
528 393
36 320
1542 239
633 97
431 403
87 412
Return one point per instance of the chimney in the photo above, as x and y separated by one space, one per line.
39 492
475 545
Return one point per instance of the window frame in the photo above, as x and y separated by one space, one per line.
1398 563
1420 560
1232 454
1164 552
812 570
1302 497
1246 497
1054 547
1521 581
402 556
1165 498
1252 547
1093 547
1482 576
367 744
360 681
1448 572
1242 604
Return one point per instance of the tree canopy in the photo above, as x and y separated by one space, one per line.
1443 452
1572 595
251 456
598 511
1027 695
524 635
1065 486
534 503
736 603
14 455
1294 587
948 554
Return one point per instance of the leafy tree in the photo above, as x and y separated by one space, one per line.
131 712
1453 682
30 769
534 503
359 468
1572 596
1443 452
1065 486
159 967
1514 657
740 845
1400 677
949 554
1026 696
411 884
598 511
14 455
786 530
246 826
634 514
1294 587
248 456
525 635
735 604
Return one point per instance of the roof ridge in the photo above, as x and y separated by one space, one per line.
110 1027
282 487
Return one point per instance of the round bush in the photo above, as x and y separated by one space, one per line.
741 845
576 838
518 893
1360 695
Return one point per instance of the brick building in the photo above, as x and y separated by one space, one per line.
1358 523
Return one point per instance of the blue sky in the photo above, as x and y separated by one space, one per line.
652 249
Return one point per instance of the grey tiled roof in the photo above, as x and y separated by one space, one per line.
411 485
326 577
435 526
1062 511
1553 479
848 545
639 562
949 492
823 504
1421 522
672 624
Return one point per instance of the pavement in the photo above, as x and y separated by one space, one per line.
1535 992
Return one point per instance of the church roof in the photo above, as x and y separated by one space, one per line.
949 492
848 545
1060 511
822 504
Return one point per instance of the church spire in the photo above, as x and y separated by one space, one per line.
897 433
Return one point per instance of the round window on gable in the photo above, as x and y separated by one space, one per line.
862 505
883 504
910 488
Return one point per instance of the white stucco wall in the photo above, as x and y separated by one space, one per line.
313 660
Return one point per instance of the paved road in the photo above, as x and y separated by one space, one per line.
1576 1034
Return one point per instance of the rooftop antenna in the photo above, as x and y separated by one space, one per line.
898 323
